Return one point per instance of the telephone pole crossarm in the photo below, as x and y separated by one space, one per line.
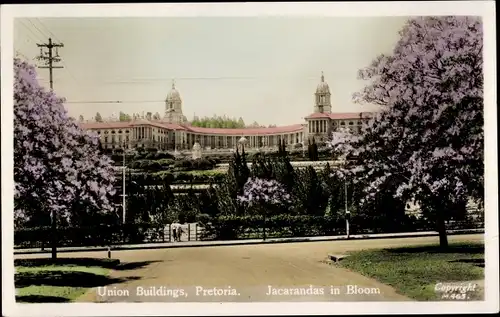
49 58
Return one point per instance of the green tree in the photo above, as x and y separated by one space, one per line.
98 117
241 123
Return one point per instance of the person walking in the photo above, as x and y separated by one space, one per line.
175 230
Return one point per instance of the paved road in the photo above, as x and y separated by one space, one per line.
245 273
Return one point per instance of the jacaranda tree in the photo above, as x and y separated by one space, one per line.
57 165
262 195
428 135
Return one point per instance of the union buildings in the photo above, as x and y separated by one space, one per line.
173 131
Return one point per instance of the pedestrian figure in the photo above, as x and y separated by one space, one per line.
175 230
174 233
179 233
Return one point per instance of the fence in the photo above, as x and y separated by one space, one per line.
103 235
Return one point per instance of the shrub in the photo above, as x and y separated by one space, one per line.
164 155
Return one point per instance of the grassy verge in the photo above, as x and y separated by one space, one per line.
43 281
415 271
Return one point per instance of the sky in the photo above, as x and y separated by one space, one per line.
262 69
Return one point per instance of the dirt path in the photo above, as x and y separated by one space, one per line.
249 273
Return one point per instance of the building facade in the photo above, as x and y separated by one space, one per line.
174 132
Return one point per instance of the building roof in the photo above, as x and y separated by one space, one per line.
248 131
339 115
323 87
173 126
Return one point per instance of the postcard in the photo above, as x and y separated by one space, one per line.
226 159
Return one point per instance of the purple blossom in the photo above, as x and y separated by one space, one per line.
258 191
52 154
428 131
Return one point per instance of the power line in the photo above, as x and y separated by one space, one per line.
43 34
149 80
31 31
115 101
57 39
47 29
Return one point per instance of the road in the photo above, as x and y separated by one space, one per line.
245 273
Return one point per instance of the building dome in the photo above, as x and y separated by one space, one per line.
323 87
243 140
173 94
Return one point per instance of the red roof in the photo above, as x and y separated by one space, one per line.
248 131
105 125
339 115
173 126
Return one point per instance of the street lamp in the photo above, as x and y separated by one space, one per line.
124 195
347 212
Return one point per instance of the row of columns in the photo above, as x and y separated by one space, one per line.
318 126
183 139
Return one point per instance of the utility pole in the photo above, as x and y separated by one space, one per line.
49 58
124 201
347 213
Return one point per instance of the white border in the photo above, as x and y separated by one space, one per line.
486 9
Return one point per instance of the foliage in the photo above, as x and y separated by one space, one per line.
58 167
218 122
427 138
124 117
312 150
258 191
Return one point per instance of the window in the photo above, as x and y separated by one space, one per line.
98 132
113 132
105 139
342 123
119 131
351 123
127 131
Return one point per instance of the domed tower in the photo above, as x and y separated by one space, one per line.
173 107
322 97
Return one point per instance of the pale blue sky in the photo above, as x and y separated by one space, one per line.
262 69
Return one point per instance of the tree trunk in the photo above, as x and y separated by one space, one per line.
264 229
54 236
441 228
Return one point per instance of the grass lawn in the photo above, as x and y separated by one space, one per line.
41 280
415 271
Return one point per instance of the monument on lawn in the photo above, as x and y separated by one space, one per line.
196 151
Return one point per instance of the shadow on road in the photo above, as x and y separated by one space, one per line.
459 248
66 278
133 265
96 262
41 299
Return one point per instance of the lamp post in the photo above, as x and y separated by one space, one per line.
347 212
124 201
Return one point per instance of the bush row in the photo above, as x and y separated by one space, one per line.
239 227
160 178
98 235
168 163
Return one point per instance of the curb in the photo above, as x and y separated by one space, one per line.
246 242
